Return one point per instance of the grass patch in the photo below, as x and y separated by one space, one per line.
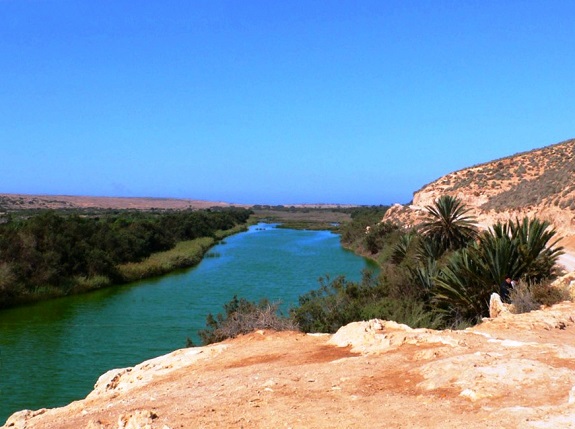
84 284
184 255
220 235
318 219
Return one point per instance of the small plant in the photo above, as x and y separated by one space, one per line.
548 295
522 298
242 317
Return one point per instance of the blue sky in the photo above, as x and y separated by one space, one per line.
265 102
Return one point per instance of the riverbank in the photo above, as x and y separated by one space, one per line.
185 254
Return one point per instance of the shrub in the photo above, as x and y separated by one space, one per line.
242 317
375 238
339 302
408 312
547 295
523 299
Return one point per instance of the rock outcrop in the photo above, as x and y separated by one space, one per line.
538 183
516 371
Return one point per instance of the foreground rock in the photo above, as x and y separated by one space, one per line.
515 371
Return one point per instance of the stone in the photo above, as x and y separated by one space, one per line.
496 307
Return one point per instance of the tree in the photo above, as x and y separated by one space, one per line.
523 249
449 223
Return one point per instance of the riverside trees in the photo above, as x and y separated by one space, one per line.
51 254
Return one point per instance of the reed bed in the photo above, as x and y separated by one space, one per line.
185 254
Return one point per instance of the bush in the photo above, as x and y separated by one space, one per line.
339 302
408 312
523 299
376 236
242 317
547 295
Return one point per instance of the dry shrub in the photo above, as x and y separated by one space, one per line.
523 299
528 297
548 295
243 317
259 318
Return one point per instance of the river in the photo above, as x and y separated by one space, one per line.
52 353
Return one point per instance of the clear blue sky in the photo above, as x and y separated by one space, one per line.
276 102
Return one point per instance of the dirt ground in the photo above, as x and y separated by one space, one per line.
24 201
510 372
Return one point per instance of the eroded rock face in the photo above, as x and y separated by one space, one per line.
512 371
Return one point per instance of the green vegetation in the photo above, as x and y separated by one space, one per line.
438 276
362 234
313 218
449 224
184 254
51 254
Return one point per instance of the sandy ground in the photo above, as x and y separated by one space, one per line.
24 201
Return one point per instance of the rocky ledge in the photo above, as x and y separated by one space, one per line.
513 371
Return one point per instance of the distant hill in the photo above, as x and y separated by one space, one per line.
539 183
11 202
16 202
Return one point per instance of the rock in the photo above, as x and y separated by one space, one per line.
566 284
140 419
19 420
496 307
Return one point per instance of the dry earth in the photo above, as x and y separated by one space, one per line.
24 201
515 371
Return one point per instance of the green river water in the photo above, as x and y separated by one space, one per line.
52 353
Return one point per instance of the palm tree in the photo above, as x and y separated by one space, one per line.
428 248
536 251
401 249
462 289
499 254
522 249
449 223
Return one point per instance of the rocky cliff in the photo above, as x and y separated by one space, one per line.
514 371
540 182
